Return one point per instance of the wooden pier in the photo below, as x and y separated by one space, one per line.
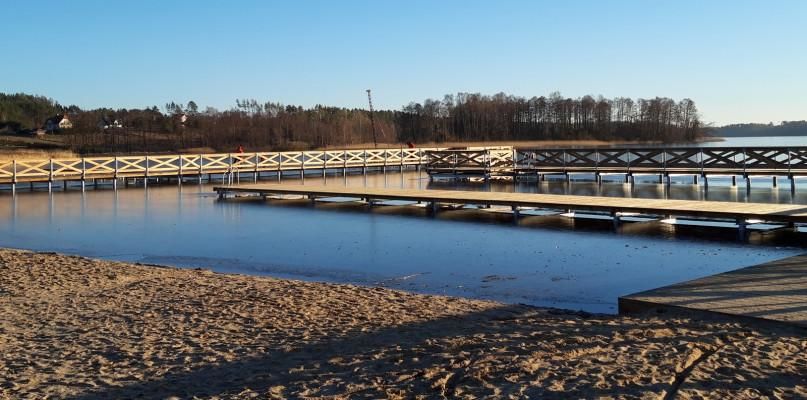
144 167
482 163
698 162
616 207
773 292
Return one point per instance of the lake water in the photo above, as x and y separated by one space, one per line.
759 141
576 263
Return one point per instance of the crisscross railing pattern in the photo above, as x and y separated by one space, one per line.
45 170
738 160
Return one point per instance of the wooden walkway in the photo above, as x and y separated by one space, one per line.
175 165
615 206
775 291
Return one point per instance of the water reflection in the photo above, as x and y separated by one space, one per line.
547 260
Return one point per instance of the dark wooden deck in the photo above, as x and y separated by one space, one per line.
740 212
776 291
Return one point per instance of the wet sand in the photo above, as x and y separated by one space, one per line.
72 327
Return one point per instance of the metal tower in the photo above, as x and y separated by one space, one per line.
372 119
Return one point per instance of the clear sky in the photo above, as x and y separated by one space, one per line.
741 61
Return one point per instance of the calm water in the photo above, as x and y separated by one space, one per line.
759 141
578 263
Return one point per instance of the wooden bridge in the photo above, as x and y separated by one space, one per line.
664 162
616 207
122 167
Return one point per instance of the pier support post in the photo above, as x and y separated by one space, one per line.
660 179
516 213
775 181
694 179
734 180
668 179
742 229
616 219
792 185
64 185
433 208
747 183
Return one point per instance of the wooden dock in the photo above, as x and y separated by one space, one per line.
776 291
144 167
614 206
698 162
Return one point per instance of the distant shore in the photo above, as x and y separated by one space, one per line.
82 328
23 153
524 143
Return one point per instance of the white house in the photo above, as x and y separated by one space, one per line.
57 123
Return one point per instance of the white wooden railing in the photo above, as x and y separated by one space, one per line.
60 169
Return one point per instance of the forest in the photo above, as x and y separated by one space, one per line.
261 126
785 128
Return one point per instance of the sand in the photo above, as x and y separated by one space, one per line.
72 327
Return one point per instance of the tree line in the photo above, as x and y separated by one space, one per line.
260 126
785 128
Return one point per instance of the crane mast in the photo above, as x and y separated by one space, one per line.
372 119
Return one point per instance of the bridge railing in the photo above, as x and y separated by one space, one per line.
12 171
698 160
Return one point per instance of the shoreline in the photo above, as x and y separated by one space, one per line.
84 328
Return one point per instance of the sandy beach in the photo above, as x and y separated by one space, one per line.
72 327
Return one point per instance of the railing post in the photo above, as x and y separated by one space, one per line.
302 166
14 176
745 162
255 157
201 162
50 176
629 153
146 179
229 169
115 174
563 158
703 172
279 163
789 160
83 172
597 160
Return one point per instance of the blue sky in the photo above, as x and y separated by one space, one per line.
741 61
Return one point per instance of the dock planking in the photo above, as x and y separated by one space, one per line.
775 291
740 212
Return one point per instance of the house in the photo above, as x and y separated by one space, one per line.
107 123
57 123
